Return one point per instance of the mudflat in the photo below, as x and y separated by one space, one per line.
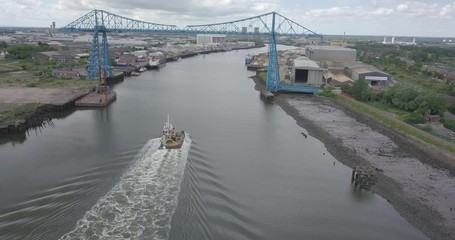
418 181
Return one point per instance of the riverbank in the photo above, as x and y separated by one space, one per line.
30 107
58 95
417 182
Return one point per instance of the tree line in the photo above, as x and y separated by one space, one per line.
419 103
23 51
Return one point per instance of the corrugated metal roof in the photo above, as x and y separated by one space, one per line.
331 48
361 70
340 77
303 62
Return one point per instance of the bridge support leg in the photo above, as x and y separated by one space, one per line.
273 70
99 56
105 61
93 70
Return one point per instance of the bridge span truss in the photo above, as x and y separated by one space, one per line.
270 24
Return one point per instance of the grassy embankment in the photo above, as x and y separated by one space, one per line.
262 76
396 124
28 73
19 112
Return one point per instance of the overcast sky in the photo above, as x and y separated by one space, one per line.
434 18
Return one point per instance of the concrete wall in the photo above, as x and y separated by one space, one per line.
354 75
315 77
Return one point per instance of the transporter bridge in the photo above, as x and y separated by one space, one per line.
270 24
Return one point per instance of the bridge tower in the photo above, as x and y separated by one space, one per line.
99 57
273 69
100 22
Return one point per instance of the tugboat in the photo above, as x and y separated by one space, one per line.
171 139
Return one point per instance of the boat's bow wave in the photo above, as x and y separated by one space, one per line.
141 204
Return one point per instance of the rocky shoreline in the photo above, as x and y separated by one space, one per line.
418 181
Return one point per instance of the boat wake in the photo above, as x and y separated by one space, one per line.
141 204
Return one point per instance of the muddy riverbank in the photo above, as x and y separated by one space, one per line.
416 180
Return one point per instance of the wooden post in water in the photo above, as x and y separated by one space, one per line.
363 177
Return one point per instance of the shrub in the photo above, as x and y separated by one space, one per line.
427 128
327 92
450 124
346 89
417 117
451 108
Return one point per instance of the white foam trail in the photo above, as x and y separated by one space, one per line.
141 204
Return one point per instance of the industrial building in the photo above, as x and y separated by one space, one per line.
209 39
58 56
306 71
245 30
331 54
73 73
373 76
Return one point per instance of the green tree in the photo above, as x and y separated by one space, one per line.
26 51
416 117
3 44
450 124
360 90
346 88
402 96
112 62
433 103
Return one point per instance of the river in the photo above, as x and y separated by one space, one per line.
245 171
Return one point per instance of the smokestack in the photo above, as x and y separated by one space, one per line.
393 40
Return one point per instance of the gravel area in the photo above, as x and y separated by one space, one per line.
11 97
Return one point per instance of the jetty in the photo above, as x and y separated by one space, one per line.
97 98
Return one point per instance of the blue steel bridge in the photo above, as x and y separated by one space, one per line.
270 24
